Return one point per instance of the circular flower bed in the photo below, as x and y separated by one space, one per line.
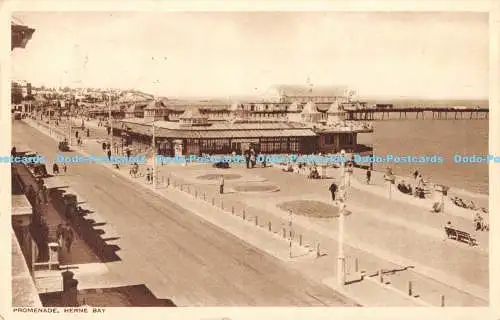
255 188
311 208
214 176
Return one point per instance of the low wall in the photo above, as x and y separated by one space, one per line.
67 205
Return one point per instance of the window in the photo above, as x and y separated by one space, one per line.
293 145
346 139
273 145
328 139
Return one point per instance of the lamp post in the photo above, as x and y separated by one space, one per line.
389 178
69 128
110 120
50 121
154 155
153 143
340 241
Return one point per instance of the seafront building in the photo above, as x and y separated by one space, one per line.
24 292
286 126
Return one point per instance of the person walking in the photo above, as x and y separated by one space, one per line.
46 194
247 159
368 176
59 235
65 168
252 158
148 176
109 154
55 169
333 189
88 132
104 146
415 174
221 185
76 134
68 237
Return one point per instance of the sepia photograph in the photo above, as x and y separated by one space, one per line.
249 159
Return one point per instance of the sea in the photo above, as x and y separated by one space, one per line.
444 138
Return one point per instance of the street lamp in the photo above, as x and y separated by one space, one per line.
69 128
342 210
50 120
110 120
154 155
389 178
154 152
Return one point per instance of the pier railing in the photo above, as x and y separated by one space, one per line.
417 113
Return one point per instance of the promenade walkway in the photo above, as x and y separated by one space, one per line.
410 237
175 250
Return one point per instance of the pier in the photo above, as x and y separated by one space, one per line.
417 113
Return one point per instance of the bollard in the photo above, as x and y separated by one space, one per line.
410 289
244 215
256 220
381 276
356 266
300 240
232 210
284 233
269 225
442 300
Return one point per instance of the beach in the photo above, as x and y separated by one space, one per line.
435 137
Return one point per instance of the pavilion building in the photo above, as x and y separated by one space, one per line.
237 129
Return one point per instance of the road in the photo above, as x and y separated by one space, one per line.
175 253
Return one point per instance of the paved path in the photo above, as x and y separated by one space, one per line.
370 218
80 253
463 267
178 255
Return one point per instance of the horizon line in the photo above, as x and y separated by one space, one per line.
233 96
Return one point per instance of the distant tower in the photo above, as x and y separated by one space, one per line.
310 86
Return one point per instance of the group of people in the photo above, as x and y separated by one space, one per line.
106 147
405 187
55 168
479 223
134 170
65 236
419 185
250 158
78 138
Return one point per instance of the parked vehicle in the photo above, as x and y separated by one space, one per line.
63 146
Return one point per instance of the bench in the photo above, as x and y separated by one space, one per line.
459 235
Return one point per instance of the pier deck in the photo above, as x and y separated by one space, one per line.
417 113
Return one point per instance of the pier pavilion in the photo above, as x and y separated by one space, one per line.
303 131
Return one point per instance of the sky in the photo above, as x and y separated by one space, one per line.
224 54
